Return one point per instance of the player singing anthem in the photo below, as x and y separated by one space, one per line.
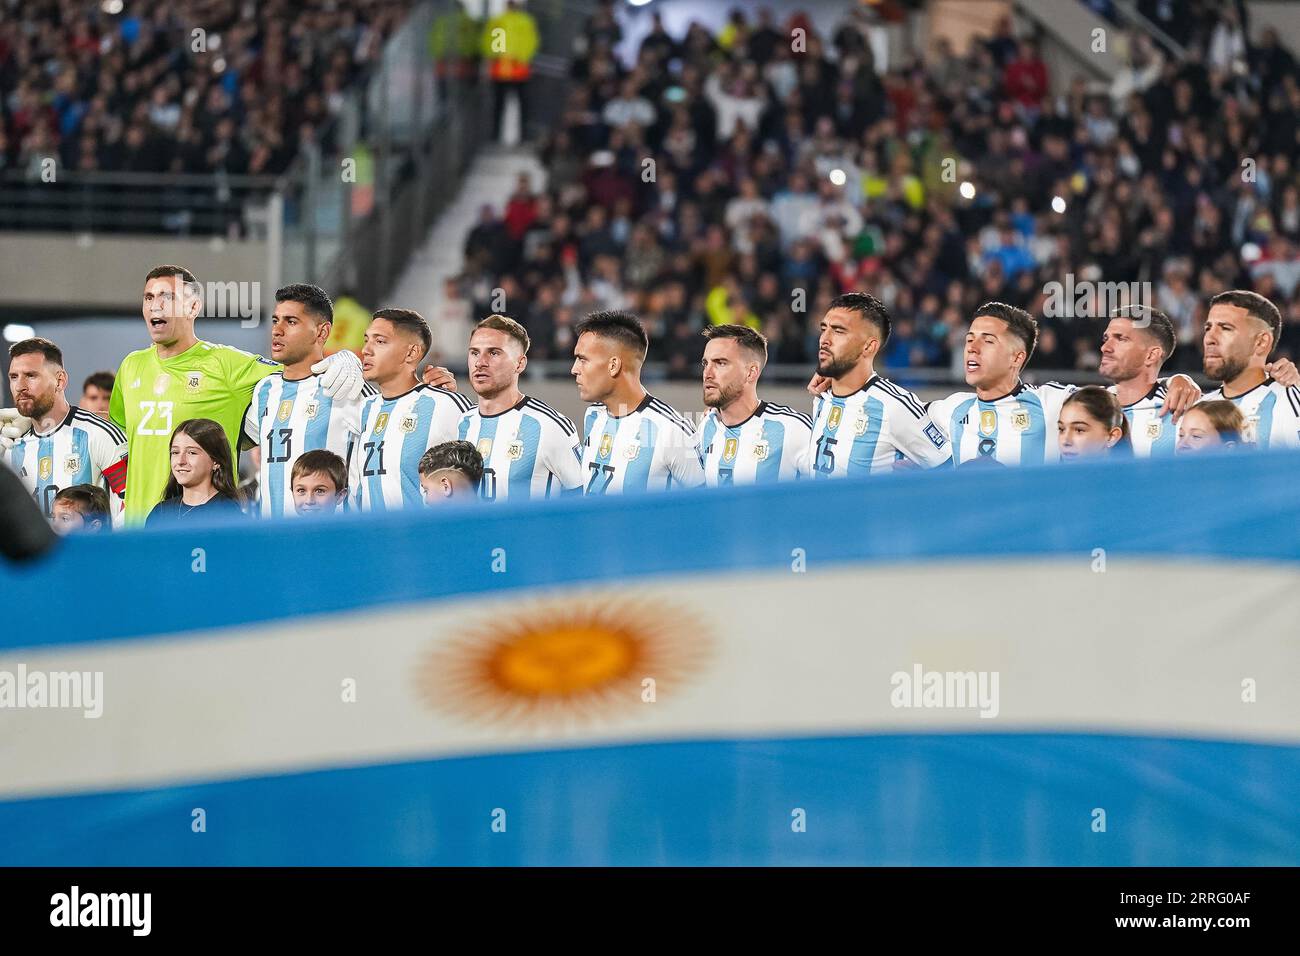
1241 331
290 413
180 377
632 441
864 424
529 449
59 445
1137 342
404 420
744 440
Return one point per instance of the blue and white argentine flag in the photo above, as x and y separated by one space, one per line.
383 473
753 678
288 417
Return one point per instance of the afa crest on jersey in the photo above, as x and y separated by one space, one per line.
860 425
193 382
1020 418
632 450
408 423
516 450
286 409
311 408
988 422
72 464
761 449
1154 429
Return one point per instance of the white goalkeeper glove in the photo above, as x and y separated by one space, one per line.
12 427
340 375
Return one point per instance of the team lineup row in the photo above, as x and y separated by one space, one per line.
378 436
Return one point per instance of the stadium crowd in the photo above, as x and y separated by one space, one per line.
183 87
1180 175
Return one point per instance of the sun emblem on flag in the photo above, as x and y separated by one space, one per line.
564 661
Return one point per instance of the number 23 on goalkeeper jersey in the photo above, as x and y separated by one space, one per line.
871 430
395 433
529 451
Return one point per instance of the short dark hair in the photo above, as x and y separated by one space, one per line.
38 346
459 456
1019 323
91 501
164 272
316 301
320 461
101 380
745 337
408 320
867 306
623 327
1256 306
1155 323
503 323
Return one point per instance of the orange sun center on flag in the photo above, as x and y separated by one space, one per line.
553 661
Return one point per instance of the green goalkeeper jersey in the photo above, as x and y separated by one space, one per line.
151 396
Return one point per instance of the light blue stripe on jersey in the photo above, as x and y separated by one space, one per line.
863 451
1264 430
463 428
597 482
589 421
81 447
16 456
637 475
487 488
958 429
413 448
375 483
710 429
1033 443
318 428
275 469
44 450
769 469
521 471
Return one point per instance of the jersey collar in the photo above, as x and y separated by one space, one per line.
1268 380
871 381
1020 387
523 400
645 403
72 411
757 413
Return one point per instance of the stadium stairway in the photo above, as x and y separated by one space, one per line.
491 180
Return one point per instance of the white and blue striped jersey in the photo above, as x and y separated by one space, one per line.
648 449
871 430
1018 428
395 433
529 451
1272 413
770 445
83 450
288 417
1153 435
